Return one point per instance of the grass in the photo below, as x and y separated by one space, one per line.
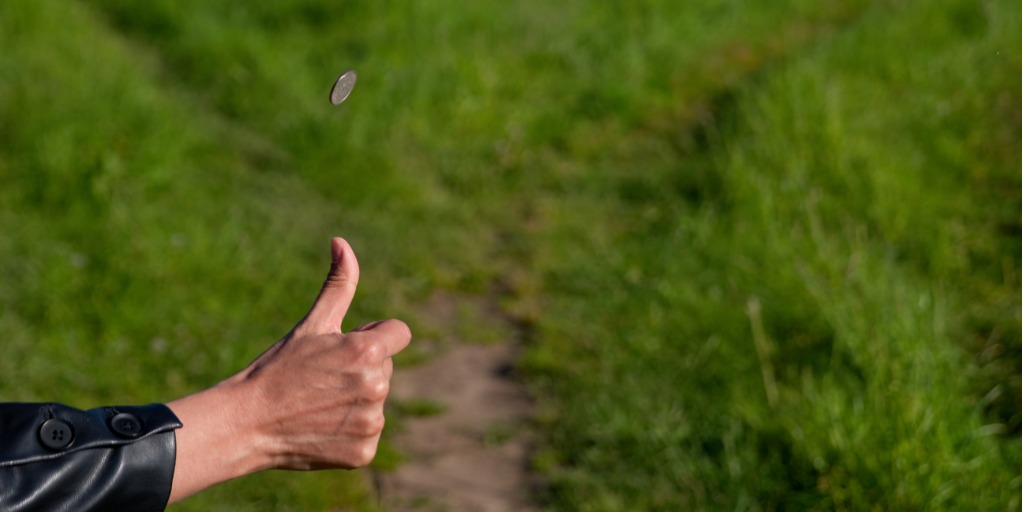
765 256
842 201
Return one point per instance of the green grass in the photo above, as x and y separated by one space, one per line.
864 203
765 255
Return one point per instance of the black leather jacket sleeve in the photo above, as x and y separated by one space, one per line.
58 458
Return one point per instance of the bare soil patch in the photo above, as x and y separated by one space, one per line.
473 456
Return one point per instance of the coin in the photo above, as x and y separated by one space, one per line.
343 87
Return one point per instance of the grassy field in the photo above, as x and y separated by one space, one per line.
765 255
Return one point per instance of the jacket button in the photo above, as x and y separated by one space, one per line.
56 434
126 425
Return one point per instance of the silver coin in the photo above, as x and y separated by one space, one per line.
343 87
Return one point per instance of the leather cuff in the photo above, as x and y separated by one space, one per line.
55 457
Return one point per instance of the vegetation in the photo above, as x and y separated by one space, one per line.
765 255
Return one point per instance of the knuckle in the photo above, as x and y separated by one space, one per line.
378 423
370 425
365 453
356 342
366 348
373 387
378 391
370 350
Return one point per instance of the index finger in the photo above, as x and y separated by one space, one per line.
395 334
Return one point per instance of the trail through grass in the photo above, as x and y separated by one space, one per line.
767 255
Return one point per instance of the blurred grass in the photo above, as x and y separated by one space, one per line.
765 255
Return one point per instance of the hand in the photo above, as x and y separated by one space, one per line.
318 395
313 400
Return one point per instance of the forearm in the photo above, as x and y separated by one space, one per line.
216 442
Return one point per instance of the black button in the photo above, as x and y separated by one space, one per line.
126 425
56 434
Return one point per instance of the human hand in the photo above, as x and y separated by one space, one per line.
318 394
313 400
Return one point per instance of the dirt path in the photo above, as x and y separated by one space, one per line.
474 456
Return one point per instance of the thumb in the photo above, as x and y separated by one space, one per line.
336 294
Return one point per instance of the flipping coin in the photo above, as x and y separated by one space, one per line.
343 87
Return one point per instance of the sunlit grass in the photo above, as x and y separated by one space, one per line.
765 255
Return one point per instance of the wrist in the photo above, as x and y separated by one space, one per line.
218 441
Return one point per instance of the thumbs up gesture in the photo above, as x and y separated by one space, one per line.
313 400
